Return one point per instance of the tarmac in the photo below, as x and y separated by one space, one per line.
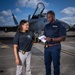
7 60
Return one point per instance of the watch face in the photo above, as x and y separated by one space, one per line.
51 39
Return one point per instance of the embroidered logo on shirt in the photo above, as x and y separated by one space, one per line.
28 36
54 26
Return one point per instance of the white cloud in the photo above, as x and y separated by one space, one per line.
30 3
2 19
45 11
18 10
69 20
69 15
70 11
6 18
6 12
6 21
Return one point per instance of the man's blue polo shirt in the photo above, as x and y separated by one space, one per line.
54 30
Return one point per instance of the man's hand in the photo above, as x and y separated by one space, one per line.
48 39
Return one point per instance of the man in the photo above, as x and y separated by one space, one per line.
55 32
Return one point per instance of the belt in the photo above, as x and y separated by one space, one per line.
23 52
47 45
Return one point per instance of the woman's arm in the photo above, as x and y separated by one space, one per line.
16 54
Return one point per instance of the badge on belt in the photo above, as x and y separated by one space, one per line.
46 46
23 52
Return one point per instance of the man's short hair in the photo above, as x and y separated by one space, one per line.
51 12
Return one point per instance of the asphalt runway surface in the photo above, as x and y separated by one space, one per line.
7 60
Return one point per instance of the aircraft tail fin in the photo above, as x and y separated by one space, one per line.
15 21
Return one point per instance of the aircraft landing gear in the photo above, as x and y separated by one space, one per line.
37 40
1 71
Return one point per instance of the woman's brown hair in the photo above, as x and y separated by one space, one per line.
19 29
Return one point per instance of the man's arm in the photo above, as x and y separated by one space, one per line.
59 39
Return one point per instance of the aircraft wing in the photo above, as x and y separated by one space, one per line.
72 28
9 29
67 26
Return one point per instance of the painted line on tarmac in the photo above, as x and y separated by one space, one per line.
71 53
69 42
68 52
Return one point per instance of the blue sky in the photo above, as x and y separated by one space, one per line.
64 9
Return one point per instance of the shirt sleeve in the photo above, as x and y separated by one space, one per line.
44 31
62 30
16 39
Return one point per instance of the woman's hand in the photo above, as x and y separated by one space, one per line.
17 61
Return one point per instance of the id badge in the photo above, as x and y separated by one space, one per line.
46 46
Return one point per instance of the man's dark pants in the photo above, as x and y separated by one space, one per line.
52 53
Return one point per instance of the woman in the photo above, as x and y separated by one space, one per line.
22 42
